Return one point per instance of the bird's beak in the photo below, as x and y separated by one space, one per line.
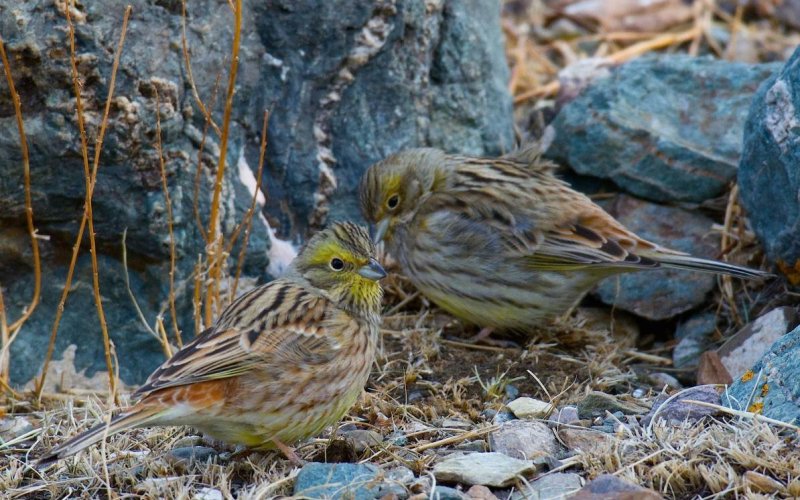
372 270
380 230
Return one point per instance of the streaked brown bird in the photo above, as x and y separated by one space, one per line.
502 242
283 361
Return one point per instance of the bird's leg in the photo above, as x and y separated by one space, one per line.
484 337
289 453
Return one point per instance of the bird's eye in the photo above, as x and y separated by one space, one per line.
337 264
393 201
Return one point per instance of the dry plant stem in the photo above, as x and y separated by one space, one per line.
91 178
626 54
248 218
190 76
215 241
161 338
725 242
744 414
656 43
5 358
197 297
650 358
172 311
455 439
548 89
26 169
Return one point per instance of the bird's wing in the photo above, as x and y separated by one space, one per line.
276 324
581 243
532 215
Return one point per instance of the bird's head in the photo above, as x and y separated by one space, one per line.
392 189
341 261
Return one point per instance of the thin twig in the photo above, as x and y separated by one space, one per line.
164 345
215 241
26 169
197 296
248 217
455 439
5 356
727 281
190 76
172 310
743 414
91 178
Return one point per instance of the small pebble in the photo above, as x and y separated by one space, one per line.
512 392
208 494
479 492
397 438
566 415
362 439
446 493
399 474
502 417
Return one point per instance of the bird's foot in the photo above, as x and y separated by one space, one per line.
289 453
484 338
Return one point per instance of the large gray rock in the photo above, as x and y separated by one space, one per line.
81 327
772 386
768 175
426 72
666 128
347 83
663 293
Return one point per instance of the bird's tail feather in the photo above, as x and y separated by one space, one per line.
87 438
710 266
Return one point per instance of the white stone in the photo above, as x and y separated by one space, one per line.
488 469
530 408
749 344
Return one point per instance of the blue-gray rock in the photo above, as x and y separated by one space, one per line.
81 328
694 338
423 73
347 83
350 481
661 294
446 493
768 175
772 386
666 128
675 410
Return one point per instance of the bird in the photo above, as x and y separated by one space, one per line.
503 243
281 363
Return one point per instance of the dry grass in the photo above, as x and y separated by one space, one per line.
430 392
